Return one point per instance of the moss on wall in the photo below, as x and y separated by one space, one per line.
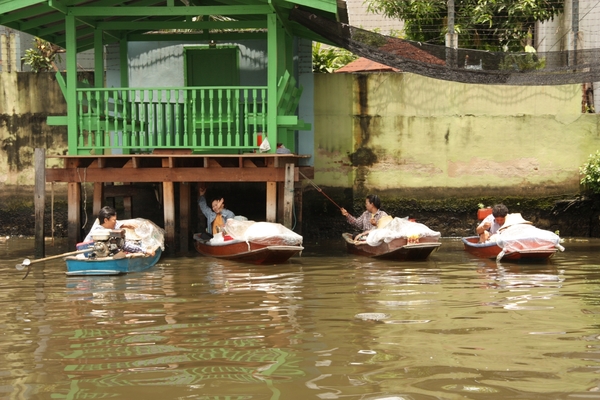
454 217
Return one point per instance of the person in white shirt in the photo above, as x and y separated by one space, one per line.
492 223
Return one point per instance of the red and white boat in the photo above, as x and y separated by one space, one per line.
399 239
252 242
517 240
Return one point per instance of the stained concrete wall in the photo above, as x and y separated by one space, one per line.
407 135
26 99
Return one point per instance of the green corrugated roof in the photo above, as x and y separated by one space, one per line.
121 18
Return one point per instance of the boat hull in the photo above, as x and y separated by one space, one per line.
398 249
491 250
111 266
248 252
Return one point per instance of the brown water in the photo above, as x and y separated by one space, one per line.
324 326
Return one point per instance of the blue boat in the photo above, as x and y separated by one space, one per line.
121 263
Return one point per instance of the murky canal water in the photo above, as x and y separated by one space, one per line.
326 325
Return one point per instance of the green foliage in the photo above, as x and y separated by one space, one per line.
591 173
481 24
327 60
522 62
42 56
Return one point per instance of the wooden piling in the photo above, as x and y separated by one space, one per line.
74 213
184 216
39 201
271 202
288 195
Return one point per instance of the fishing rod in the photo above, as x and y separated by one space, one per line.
319 190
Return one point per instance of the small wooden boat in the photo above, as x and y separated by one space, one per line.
251 242
120 263
516 240
247 252
492 250
398 249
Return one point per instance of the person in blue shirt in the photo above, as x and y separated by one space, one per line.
216 215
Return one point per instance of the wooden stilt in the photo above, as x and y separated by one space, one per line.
297 208
98 199
39 201
169 214
74 214
280 201
271 202
184 216
288 196
127 207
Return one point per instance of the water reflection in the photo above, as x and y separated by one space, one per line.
322 326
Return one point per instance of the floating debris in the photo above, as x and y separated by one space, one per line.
372 316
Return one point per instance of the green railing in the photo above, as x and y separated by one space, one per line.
143 119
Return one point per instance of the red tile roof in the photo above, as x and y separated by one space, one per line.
365 65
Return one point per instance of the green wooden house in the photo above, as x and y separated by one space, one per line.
183 91
231 80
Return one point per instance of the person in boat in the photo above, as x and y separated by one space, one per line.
107 218
216 215
368 220
492 223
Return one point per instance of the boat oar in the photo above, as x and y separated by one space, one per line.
319 190
27 262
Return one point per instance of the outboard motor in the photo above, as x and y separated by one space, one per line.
107 242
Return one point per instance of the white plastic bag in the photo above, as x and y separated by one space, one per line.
264 146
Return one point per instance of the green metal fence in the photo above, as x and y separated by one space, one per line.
197 118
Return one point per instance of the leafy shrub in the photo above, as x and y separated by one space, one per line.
42 55
328 59
591 173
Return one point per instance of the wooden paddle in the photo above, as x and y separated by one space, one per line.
27 262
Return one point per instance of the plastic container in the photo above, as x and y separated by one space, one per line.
483 212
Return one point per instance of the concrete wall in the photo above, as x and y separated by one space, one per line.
26 99
413 136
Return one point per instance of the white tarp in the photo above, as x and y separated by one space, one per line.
146 233
525 236
399 228
261 232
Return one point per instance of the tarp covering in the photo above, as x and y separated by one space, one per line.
399 228
525 236
146 233
261 232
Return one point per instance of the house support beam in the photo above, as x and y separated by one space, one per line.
184 216
271 202
74 214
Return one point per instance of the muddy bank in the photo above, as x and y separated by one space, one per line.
316 219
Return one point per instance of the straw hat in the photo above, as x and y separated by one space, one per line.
383 221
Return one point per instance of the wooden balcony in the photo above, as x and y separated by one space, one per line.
223 120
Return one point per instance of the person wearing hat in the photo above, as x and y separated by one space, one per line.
107 219
368 219
492 223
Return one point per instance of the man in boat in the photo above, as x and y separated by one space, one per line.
492 223
107 218
369 219
216 215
